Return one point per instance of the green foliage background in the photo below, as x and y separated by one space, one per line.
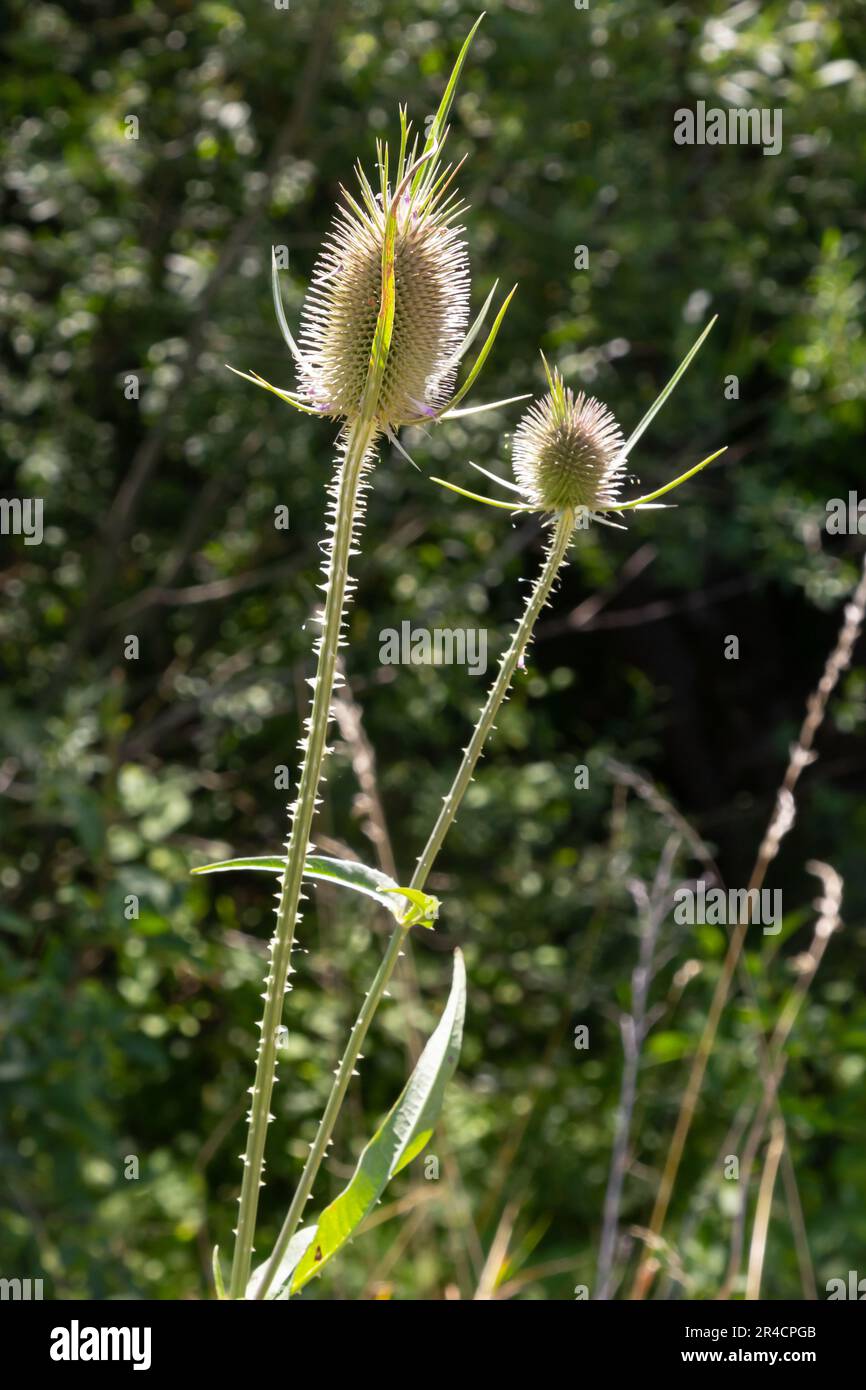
150 256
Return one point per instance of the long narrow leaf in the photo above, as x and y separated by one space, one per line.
479 409
381 345
392 438
494 478
650 497
437 125
275 390
399 1139
488 501
665 392
280 311
403 903
218 1283
484 353
295 1252
474 330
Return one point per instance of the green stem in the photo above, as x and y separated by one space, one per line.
359 439
344 1075
520 641
507 666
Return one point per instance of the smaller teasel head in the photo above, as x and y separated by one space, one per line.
570 457
568 452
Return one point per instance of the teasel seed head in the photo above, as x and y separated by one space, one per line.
431 304
567 451
384 322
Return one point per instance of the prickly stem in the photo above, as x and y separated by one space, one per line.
345 517
520 641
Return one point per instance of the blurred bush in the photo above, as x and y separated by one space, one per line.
132 269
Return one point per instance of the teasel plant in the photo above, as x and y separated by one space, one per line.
570 463
385 325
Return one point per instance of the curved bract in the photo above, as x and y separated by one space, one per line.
569 454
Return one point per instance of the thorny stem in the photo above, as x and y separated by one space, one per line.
345 1071
347 491
520 641
508 664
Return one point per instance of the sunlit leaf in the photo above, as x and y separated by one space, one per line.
295 1251
280 311
474 330
485 351
399 1139
665 392
437 125
385 322
424 909
650 497
218 1274
488 501
275 390
480 409
360 878
409 905
494 478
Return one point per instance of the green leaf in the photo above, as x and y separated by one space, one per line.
479 409
358 877
399 1139
665 392
280 311
275 390
495 478
424 910
488 501
650 497
295 1251
437 125
266 863
218 1274
474 330
408 905
385 321
484 353
381 344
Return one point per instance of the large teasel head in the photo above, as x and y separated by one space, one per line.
570 457
431 295
384 323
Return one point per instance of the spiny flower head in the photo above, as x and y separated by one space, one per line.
384 321
431 297
568 451
570 457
